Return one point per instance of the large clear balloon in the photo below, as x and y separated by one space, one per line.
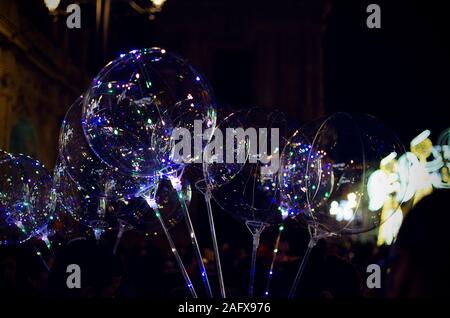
352 180
85 169
222 161
134 104
26 199
249 191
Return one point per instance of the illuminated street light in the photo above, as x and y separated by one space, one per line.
52 5
158 3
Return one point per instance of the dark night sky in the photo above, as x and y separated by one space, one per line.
399 73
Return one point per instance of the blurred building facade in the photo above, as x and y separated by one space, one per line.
256 53
38 79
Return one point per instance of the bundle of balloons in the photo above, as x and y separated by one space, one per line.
117 168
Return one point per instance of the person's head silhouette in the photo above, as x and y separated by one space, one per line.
421 254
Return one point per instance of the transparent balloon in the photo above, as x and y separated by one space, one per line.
225 156
248 188
245 186
85 169
347 167
221 163
26 200
352 181
134 104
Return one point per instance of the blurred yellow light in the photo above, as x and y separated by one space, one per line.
52 4
158 3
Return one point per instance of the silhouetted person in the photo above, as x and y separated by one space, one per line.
421 255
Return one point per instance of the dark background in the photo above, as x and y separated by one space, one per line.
308 58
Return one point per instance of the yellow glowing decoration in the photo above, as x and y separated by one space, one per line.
158 3
52 5
421 147
383 188
157 7
411 177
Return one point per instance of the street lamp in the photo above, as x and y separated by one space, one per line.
52 5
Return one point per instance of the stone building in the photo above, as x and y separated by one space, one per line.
38 79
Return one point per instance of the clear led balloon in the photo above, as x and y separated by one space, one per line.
134 104
353 184
26 200
220 165
225 156
248 189
351 181
85 169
